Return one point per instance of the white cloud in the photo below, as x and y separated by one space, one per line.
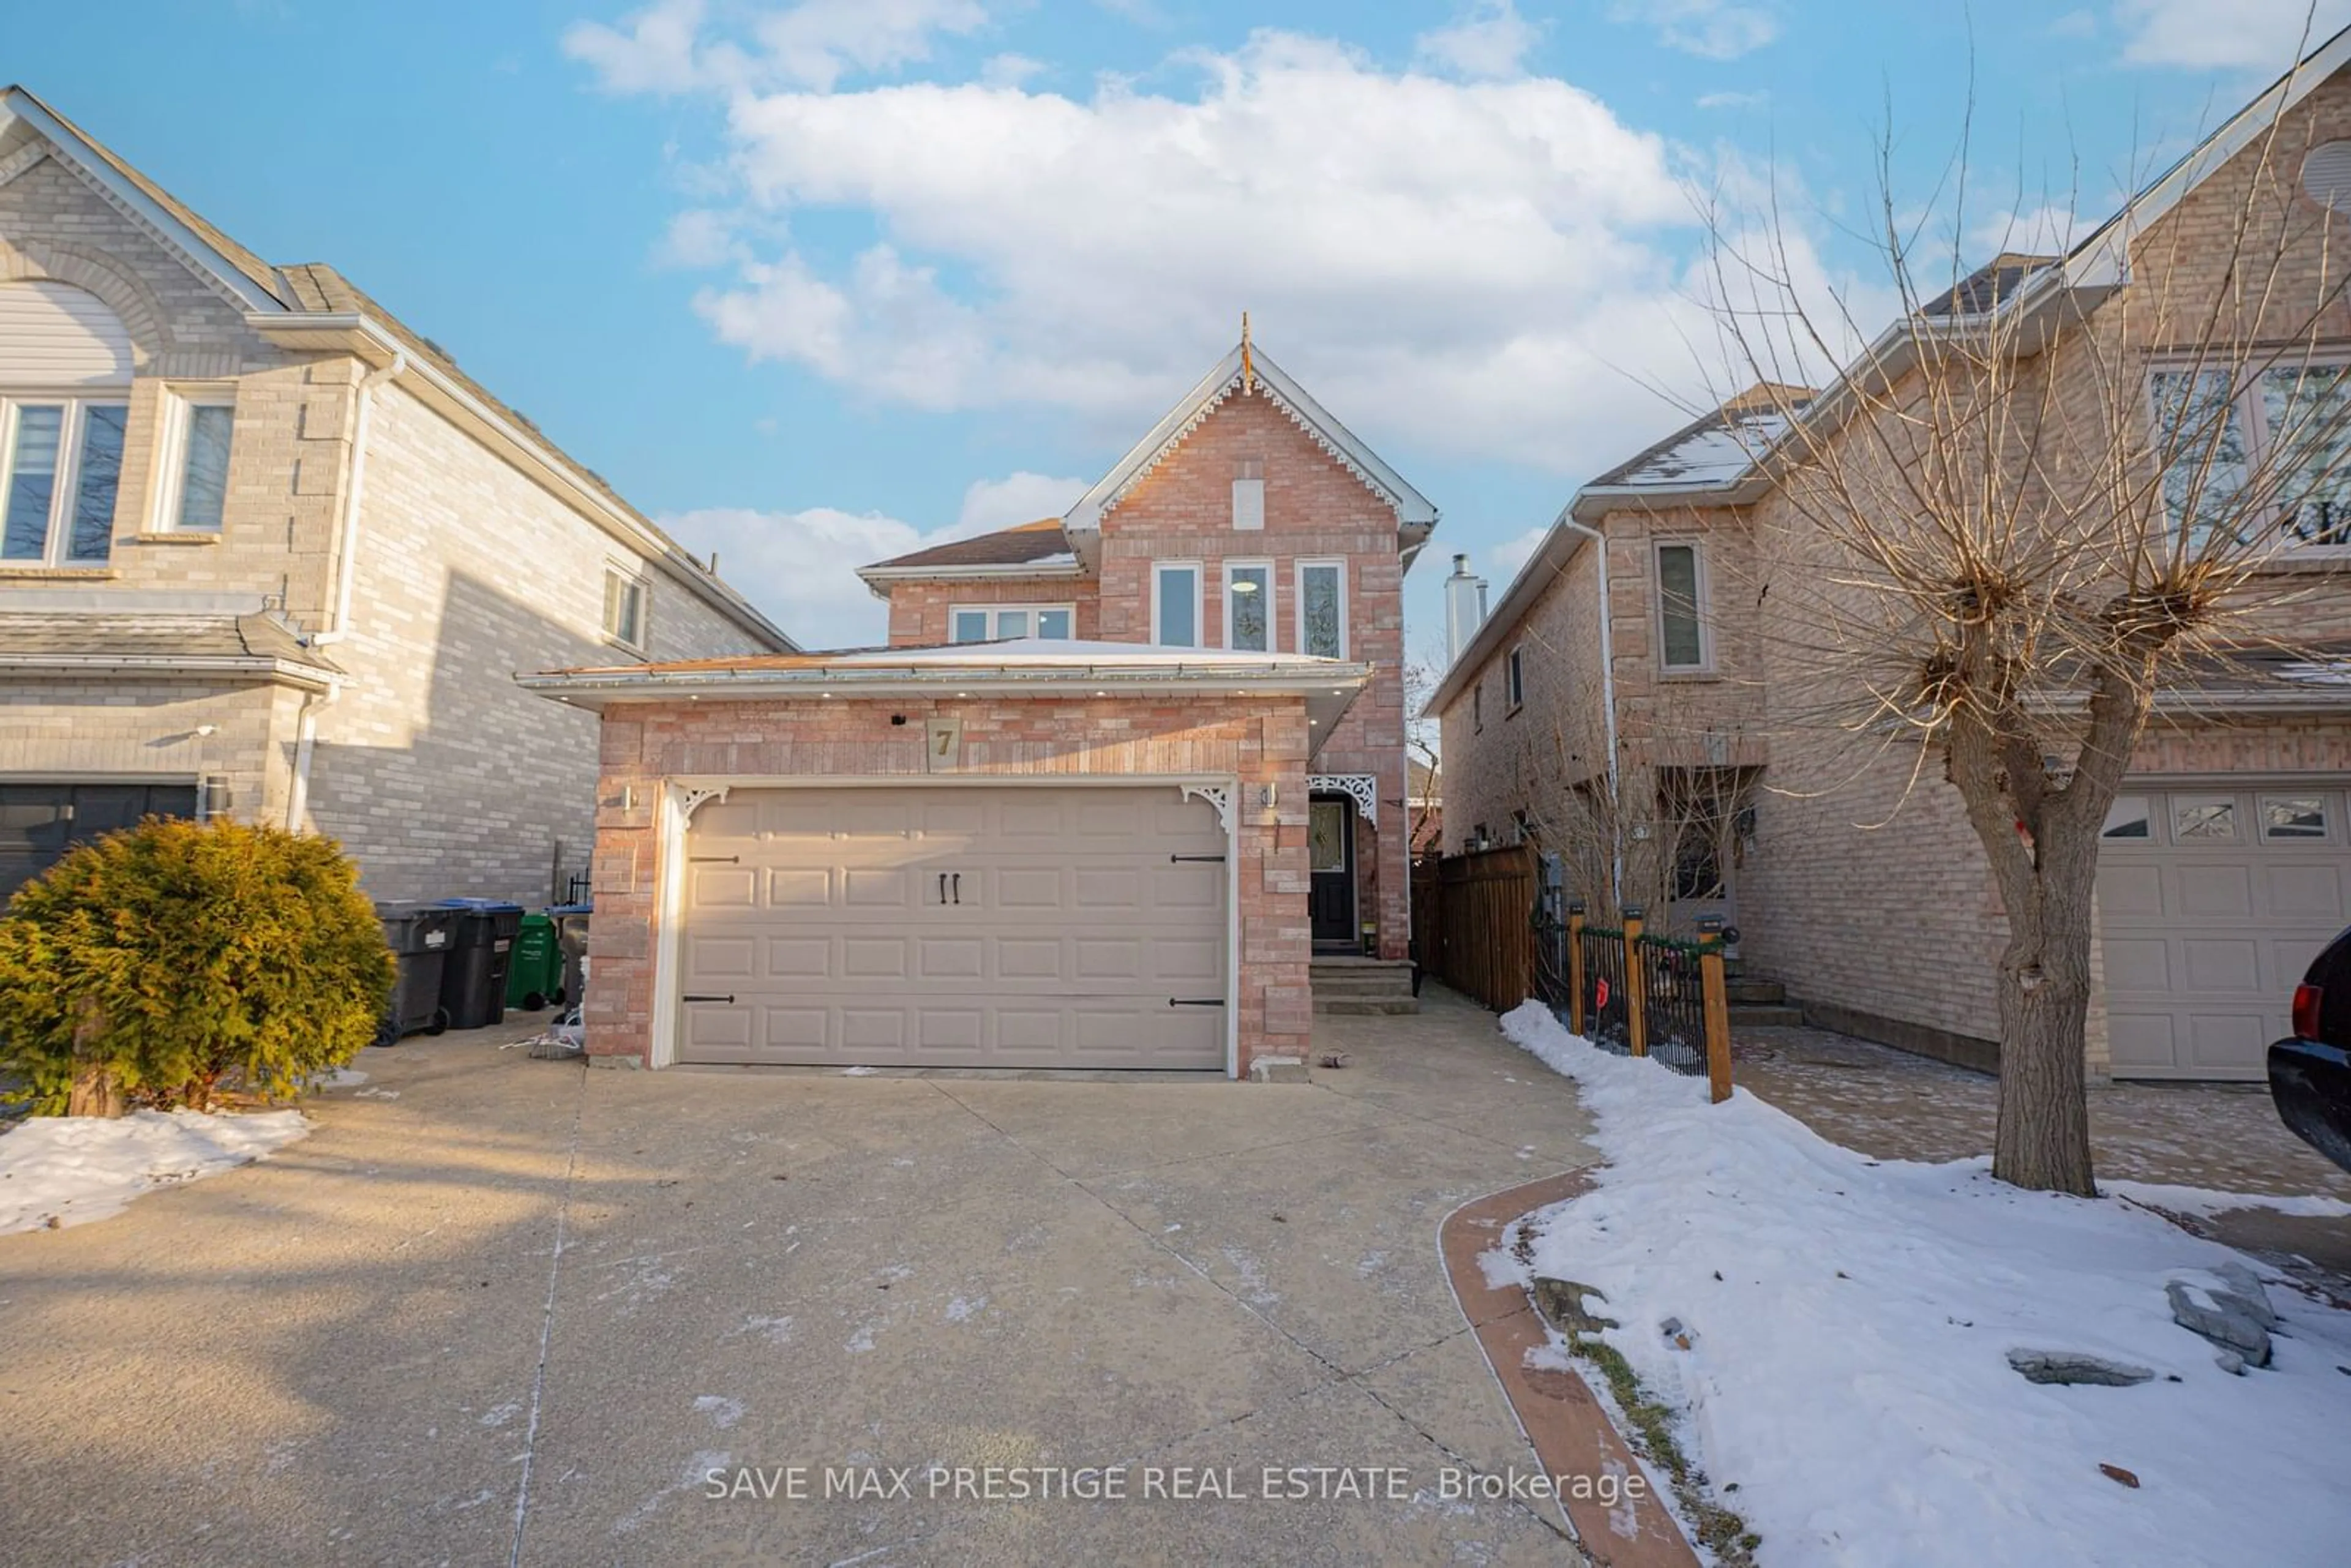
1474 266
698 238
1733 100
813 45
2258 35
1487 39
1010 70
1712 29
2074 25
1019 498
2051 229
1512 554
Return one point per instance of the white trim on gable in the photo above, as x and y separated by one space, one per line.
192 249
1414 512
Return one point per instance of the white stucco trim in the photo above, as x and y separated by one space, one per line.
670 830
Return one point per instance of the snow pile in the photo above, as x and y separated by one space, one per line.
68 1170
1849 1322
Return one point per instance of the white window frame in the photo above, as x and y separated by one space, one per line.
2253 420
1229 568
1160 568
1249 495
180 404
992 611
628 579
1701 586
57 540
1298 601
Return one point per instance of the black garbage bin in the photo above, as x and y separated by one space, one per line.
571 939
419 937
473 979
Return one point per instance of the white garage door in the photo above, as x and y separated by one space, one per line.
2212 902
955 926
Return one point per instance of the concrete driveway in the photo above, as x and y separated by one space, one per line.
520 1312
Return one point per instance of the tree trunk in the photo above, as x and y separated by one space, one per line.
95 1092
2044 1137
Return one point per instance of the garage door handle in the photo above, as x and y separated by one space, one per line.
716 860
695 999
1217 860
958 886
1196 1001
943 887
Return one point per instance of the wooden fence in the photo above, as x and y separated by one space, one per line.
1473 923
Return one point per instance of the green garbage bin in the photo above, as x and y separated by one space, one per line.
535 968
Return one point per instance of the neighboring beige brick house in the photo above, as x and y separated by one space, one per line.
1847 866
266 552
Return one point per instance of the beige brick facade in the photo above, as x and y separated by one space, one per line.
429 764
1862 885
1258 741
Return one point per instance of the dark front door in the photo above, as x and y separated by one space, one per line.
1330 860
38 822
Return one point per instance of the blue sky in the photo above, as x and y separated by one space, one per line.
813 282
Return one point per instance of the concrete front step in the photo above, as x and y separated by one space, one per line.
1756 993
1362 986
1755 1015
1361 1007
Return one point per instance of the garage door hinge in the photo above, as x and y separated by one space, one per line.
716 860
1217 859
1196 1001
695 999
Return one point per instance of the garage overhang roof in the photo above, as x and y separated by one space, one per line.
1022 667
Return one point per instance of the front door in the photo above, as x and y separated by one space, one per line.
1330 860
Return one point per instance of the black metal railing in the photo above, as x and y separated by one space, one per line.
1674 992
1607 998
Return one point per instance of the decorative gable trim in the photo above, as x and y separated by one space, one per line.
1414 511
179 242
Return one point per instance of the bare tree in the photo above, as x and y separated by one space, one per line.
2028 512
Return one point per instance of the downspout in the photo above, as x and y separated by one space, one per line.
339 620
1608 703
339 616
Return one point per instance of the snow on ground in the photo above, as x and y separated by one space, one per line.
2203 1202
1849 1322
69 1170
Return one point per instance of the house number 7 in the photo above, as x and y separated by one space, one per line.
945 742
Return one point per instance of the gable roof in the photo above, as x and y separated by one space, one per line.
1042 542
1714 448
311 306
1416 514
1986 285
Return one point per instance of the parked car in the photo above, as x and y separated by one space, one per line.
2310 1074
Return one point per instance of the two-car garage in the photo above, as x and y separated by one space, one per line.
955 925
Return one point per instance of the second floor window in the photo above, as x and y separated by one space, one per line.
990 622
1248 606
2218 430
1176 604
1515 680
624 609
1322 609
1681 623
195 462
60 468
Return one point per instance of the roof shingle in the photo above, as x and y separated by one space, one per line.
1038 543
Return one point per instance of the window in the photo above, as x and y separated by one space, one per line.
624 609
195 462
1514 682
1477 705
60 469
1248 606
1176 604
2293 817
982 623
1248 493
1681 623
2128 818
2286 428
1322 609
2202 817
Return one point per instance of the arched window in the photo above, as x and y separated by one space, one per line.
65 379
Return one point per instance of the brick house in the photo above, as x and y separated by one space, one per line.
261 554
1686 766
1127 786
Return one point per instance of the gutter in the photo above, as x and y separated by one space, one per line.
352 332
339 617
309 677
877 578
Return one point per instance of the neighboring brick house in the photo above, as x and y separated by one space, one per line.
1119 783
268 552
1847 866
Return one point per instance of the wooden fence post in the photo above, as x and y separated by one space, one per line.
1717 1007
1637 994
1576 967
